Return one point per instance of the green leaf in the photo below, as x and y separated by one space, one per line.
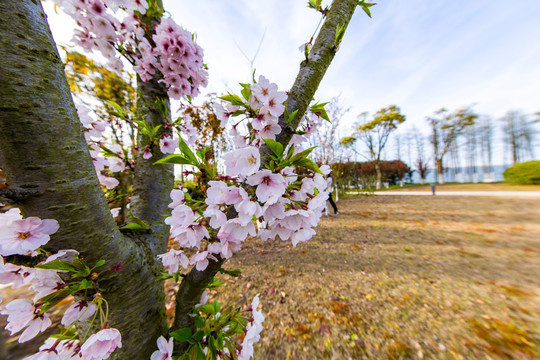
275 146
308 164
53 299
233 273
120 112
207 309
199 323
58 265
181 335
143 224
319 110
212 348
290 152
233 99
246 91
154 131
198 336
184 148
215 282
175 159
315 4
340 31
132 226
200 353
365 6
100 263
107 152
291 117
303 154
202 154
86 284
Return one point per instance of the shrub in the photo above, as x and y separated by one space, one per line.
523 173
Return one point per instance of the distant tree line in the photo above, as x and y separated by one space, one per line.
462 143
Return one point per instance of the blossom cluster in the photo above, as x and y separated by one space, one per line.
20 236
253 331
162 49
245 200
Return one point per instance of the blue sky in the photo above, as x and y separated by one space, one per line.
418 54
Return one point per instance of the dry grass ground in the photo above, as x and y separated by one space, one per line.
470 187
398 277
402 277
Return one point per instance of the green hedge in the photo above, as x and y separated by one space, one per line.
523 173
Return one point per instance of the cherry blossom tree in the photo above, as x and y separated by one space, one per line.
65 238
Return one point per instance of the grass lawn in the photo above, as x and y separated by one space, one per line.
402 277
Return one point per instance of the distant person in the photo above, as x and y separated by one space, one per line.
329 181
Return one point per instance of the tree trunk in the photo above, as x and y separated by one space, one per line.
152 184
50 174
379 175
440 170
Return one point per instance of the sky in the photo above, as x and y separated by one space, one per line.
421 55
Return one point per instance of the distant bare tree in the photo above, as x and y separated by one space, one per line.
446 127
519 132
326 133
471 142
421 162
485 131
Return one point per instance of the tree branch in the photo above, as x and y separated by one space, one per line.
152 184
313 69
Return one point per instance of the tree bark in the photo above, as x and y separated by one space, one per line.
378 184
313 69
440 175
44 155
152 184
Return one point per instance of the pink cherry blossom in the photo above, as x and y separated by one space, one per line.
177 197
108 182
65 255
54 349
270 186
165 349
116 164
217 217
269 131
172 259
168 145
44 355
182 215
45 282
217 193
147 154
19 236
242 162
22 314
15 275
302 235
79 311
200 260
101 345
253 331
